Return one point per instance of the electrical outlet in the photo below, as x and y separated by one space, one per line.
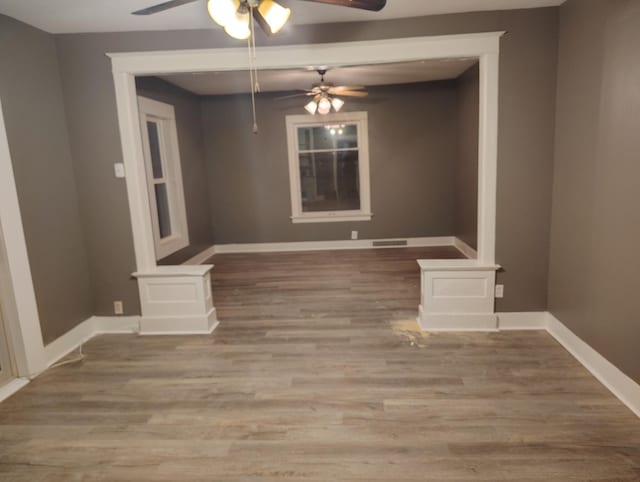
354 234
499 291
118 307
118 169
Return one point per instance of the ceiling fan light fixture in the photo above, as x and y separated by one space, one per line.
311 107
337 104
324 106
274 14
238 27
223 12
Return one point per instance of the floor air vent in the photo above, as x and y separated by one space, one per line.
398 242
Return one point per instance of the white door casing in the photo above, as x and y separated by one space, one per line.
483 46
19 308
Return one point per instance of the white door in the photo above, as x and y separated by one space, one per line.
164 176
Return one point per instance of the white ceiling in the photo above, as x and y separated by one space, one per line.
72 16
220 83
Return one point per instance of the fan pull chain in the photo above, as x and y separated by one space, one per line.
253 43
253 71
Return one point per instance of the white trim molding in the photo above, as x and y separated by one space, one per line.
89 328
74 339
333 245
465 249
201 257
528 320
70 341
386 243
20 310
116 325
483 46
619 384
623 387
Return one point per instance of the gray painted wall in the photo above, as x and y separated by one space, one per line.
38 140
525 150
192 158
412 145
466 168
595 265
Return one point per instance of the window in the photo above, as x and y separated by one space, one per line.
329 167
164 176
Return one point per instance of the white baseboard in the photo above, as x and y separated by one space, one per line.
96 325
623 387
12 387
457 322
188 325
159 331
321 246
116 324
528 320
465 249
202 256
619 384
70 341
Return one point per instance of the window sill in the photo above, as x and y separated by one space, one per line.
333 218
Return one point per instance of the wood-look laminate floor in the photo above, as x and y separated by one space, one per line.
305 381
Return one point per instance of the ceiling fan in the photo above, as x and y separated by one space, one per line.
325 95
235 15
238 17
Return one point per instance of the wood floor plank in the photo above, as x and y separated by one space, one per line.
306 381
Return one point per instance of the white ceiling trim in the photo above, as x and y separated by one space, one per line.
75 16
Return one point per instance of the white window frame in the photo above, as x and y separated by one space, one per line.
165 118
293 123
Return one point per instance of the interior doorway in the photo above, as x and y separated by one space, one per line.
127 66
167 313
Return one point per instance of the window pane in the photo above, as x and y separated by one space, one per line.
330 136
164 216
330 181
154 147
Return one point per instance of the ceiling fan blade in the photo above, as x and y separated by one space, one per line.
373 5
302 94
161 7
351 93
340 88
